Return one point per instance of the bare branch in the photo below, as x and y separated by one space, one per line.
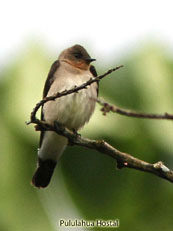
123 159
109 107
72 90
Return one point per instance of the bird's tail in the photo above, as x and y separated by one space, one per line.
43 173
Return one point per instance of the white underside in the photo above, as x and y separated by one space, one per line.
73 111
52 147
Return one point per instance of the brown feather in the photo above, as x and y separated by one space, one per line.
94 73
48 83
43 173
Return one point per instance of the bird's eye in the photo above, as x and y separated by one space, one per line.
78 55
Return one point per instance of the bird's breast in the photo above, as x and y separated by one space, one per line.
75 109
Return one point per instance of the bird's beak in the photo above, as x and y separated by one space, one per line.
89 60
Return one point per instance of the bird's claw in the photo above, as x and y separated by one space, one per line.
59 126
76 133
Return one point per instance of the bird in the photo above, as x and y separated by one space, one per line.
72 68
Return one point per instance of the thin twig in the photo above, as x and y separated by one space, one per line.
124 160
67 92
109 107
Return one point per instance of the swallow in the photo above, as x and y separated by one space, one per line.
72 68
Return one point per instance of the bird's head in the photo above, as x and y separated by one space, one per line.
77 56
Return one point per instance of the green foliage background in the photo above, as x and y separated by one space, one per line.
86 184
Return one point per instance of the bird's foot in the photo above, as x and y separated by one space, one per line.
76 133
60 127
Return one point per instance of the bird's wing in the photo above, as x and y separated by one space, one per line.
50 77
48 83
94 73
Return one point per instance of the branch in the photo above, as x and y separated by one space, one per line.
67 92
124 160
108 107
